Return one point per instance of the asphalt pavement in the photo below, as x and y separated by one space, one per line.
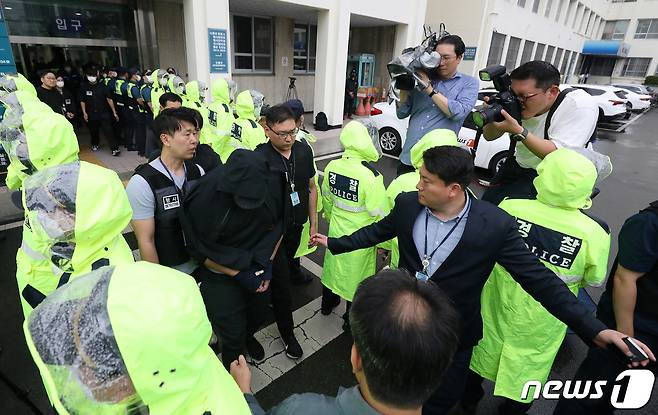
632 185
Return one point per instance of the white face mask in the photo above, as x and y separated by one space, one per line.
137 78
91 79
147 79
60 84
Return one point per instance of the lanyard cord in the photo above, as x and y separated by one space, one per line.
428 258
290 178
180 191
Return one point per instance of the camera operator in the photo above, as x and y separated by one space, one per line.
550 119
444 103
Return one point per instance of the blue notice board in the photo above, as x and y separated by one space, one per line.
7 63
469 53
218 50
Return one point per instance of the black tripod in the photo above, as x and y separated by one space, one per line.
292 90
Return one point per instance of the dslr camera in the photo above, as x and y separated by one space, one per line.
504 99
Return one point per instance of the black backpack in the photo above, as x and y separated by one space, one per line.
321 123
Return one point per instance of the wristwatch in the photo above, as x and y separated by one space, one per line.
432 93
520 136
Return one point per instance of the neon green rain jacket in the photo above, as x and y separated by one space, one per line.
221 119
303 249
102 212
520 338
246 128
159 325
157 91
353 196
407 182
193 100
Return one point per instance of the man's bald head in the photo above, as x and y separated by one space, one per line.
406 332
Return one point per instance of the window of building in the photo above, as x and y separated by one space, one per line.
549 5
646 29
558 57
571 68
521 3
583 21
512 52
601 65
539 53
565 62
569 12
496 48
253 48
577 16
636 67
615 29
559 10
549 53
589 25
526 55
303 45
535 6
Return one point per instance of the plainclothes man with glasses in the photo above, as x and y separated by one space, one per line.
550 119
447 100
292 174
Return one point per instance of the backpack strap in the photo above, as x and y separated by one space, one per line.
551 111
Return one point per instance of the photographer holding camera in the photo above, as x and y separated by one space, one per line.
549 119
444 103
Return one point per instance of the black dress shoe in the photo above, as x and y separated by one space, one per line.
327 307
255 349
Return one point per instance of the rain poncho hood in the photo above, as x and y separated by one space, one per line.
81 209
220 91
565 179
16 82
435 138
34 136
176 85
244 105
101 332
192 91
358 142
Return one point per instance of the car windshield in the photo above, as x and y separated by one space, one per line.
592 91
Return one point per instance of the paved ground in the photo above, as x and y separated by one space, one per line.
326 363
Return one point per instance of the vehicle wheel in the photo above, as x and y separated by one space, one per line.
390 141
496 164
601 115
629 109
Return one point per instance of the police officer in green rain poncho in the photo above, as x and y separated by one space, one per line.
77 212
195 97
246 128
407 182
160 86
520 338
35 139
130 339
220 119
353 196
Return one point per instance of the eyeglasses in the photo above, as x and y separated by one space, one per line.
524 98
448 57
284 134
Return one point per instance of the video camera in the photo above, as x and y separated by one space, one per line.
403 69
505 99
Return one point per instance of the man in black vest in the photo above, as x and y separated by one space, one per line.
157 189
628 303
550 119
455 240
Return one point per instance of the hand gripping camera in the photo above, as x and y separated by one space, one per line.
505 99
403 69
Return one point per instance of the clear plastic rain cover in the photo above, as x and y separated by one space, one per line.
71 338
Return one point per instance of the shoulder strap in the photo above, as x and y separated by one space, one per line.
155 179
193 171
370 167
551 111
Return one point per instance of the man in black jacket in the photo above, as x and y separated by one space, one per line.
466 238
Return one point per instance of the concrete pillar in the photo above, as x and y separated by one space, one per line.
331 64
201 15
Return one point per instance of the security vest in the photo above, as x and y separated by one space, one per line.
146 103
169 240
133 105
118 95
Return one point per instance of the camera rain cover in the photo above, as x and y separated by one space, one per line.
71 339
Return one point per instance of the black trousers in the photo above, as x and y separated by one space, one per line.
473 393
452 385
348 105
515 182
234 312
105 125
150 144
280 285
329 297
140 132
403 168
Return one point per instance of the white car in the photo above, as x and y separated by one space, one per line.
611 100
636 102
490 155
